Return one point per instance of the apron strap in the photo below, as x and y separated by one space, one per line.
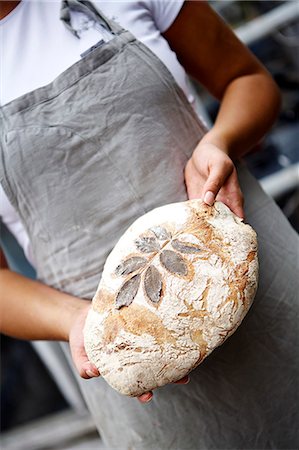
89 9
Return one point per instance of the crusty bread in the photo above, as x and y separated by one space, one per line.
176 285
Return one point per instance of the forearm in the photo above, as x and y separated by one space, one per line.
32 310
212 54
249 107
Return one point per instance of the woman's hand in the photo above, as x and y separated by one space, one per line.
33 311
211 174
249 99
76 340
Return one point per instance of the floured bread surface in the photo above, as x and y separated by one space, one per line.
176 285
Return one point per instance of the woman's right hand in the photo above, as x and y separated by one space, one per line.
85 368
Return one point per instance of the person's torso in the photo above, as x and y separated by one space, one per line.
55 49
85 155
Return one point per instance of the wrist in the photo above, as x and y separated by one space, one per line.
213 137
74 307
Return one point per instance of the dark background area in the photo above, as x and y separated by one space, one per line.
28 391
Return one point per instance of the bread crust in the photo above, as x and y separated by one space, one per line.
177 284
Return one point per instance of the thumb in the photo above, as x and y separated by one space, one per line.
217 177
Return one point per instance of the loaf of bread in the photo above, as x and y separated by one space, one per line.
176 285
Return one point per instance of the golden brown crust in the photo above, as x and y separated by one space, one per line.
136 320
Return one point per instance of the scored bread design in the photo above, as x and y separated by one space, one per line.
176 285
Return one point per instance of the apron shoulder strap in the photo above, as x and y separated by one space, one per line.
91 11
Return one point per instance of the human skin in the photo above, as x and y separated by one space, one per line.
250 101
31 310
7 7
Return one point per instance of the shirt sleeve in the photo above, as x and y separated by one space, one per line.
164 12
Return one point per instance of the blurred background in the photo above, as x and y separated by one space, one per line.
41 407
271 30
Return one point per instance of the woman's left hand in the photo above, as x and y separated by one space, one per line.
210 174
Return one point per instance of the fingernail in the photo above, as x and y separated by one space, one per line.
187 380
184 380
92 373
209 198
89 373
94 370
147 398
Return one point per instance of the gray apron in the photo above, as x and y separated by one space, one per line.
81 159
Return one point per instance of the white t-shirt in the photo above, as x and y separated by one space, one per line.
36 47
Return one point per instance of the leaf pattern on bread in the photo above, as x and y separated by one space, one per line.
130 265
128 292
150 244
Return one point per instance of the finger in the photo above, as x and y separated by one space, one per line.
232 196
184 380
146 397
238 209
217 177
85 368
233 204
238 206
90 370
